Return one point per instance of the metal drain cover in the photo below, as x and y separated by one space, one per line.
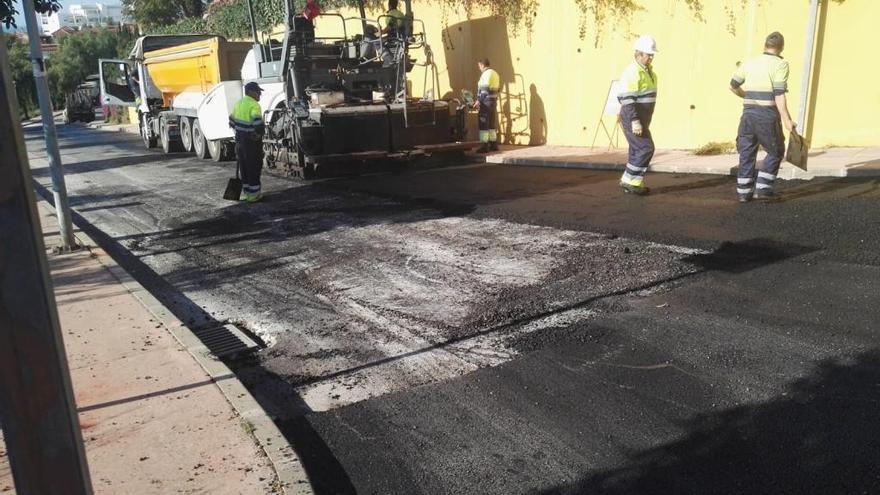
226 340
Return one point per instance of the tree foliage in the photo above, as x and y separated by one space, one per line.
191 25
22 73
77 57
152 14
8 10
230 17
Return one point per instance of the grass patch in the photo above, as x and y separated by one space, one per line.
714 148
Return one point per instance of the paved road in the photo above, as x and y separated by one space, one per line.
486 329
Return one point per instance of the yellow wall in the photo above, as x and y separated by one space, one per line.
554 80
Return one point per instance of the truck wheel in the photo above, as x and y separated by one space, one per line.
219 150
186 133
199 144
168 145
149 141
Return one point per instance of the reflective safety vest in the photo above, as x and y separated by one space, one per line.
395 23
488 86
638 88
247 116
762 78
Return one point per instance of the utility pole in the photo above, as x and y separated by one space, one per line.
37 409
59 189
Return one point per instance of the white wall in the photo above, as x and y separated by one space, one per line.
79 15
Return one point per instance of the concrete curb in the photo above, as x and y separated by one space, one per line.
608 166
288 467
786 172
554 163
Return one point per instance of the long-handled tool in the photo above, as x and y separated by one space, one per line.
233 187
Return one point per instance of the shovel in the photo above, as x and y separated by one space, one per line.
233 187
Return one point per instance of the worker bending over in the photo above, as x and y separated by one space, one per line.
247 120
487 103
637 99
762 83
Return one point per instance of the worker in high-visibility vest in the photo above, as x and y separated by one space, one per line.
396 21
762 83
247 120
637 99
394 31
487 102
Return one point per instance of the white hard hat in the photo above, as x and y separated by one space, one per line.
646 44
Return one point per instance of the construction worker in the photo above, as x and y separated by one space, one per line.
396 21
311 10
637 98
762 83
487 101
247 120
394 32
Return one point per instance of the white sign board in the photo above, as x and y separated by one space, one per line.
612 106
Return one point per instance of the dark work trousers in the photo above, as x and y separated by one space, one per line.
486 117
641 148
249 154
759 126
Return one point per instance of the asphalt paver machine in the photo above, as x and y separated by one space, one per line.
347 107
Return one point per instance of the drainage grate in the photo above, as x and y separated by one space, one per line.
226 340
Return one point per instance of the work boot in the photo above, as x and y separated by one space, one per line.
493 146
484 148
764 194
253 198
744 198
631 189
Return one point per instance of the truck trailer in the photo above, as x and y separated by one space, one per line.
183 87
79 105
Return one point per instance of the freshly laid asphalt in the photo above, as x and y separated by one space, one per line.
493 329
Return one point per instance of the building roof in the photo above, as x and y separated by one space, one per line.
64 31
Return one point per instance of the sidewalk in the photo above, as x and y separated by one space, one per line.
153 421
831 162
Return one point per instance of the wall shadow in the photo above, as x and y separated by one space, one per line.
537 118
819 436
464 44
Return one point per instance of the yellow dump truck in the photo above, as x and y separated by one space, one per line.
184 87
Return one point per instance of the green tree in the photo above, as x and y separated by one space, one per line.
231 19
22 74
152 14
77 57
8 10
191 25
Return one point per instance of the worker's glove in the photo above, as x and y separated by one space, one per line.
637 127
